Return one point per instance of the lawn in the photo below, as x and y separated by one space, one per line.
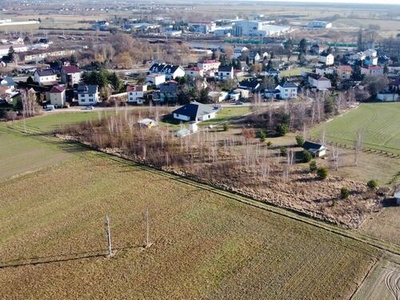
205 245
378 122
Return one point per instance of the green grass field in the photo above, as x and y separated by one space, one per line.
204 245
378 122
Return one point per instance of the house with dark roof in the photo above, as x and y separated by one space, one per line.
288 90
326 58
170 71
317 150
251 84
225 72
57 96
45 77
195 111
168 92
88 94
70 75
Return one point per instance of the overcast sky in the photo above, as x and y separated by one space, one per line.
349 1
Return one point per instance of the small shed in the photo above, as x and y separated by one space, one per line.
317 150
397 197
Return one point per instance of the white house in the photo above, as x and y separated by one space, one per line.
194 72
57 96
136 94
155 79
327 59
372 70
195 111
45 77
320 82
288 90
70 75
315 149
218 96
239 51
225 72
209 65
88 94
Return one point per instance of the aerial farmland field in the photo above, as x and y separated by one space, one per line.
205 245
377 122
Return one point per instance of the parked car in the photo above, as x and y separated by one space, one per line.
90 107
50 107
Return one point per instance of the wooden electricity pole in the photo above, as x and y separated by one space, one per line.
148 244
108 235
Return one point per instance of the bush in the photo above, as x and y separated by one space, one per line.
226 126
282 129
299 140
283 151
306 156
344 193
263 135
322 173
269 143
372 184
313 166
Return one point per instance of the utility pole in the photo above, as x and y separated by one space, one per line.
108 235
148 244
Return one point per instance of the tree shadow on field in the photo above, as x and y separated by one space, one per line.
33 261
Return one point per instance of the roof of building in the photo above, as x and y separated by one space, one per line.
136 88
194 110
225 68
251 83
289 84
313 147
45 72
70 69
87 89
57 89
163 68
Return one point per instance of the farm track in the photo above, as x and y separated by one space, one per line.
392 282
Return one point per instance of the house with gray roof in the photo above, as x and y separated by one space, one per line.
88 94
170 71
195 111
45 77
288 90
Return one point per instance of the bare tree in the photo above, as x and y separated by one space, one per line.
335 156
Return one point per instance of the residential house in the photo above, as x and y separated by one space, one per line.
326 58
168 92
170 71
155 79
317 150
8 82
320 82
194 72
195 111
272 94
218 96
234 95
325 71
88 94
225 72
57 96
240 51
344 72
387 96
136 93
251 84
209 66
45 77
288 90
70 75
372 70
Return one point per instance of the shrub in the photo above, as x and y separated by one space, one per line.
263 135
226 126
313 166
282 129
372 184
283 151
344 193
306 156
269 143
322 173
299 140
